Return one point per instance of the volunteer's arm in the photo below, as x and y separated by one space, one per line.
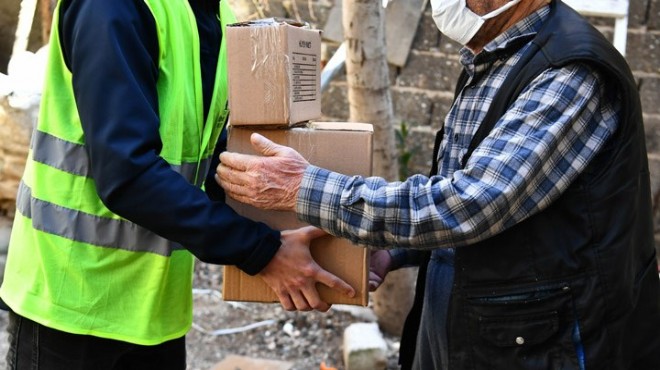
111 47
112 50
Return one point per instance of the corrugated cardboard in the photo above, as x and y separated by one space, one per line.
274 73
339 146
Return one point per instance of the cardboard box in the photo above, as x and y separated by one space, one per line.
274 72
339 146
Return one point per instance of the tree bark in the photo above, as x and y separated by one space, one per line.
46 8
367 75
370 101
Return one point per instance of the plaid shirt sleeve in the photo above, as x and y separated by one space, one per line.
543 142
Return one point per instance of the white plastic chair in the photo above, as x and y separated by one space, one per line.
617 9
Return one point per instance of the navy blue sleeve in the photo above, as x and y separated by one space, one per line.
111 49
214 190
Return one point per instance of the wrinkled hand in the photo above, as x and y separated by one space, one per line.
270 181
379 266
293 274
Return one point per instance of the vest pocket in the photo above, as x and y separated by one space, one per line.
529 328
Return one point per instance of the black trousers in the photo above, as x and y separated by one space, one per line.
36 347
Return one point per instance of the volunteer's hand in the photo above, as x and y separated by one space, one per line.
293 274
270 181
380 264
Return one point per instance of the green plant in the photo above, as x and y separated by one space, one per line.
405 151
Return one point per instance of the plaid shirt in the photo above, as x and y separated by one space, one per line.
541 144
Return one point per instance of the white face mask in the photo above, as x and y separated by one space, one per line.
458 22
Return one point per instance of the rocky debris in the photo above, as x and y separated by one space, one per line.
20 96
364 347
15 130
306 339
233 362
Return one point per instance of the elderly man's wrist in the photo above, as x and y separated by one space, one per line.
319 197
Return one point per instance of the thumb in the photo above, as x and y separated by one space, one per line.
313 232
266 147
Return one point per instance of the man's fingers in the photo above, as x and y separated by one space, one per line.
300 301
239 194
313 232
285 301
266 147
315 302
237 161
306 233
306 300
233 189
374 281
230 175
334 282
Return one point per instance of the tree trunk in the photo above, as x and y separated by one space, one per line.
369 98
367 74
46 8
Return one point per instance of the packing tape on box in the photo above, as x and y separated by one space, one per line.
267 57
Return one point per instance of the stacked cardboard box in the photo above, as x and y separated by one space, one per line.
274 89
274 74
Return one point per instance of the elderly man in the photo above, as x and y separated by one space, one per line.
536 218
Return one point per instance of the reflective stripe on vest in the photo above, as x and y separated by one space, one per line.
87 228
72 158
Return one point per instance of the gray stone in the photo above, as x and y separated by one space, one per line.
653 22
428 36
334 102
413 107
364 347
648 93
643 51
637 13
430 71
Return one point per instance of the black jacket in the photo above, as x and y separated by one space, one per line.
587 260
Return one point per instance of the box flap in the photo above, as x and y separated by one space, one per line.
341 126
270 22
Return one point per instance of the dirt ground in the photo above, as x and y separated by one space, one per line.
304 339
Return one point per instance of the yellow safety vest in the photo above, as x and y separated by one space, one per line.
72 264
